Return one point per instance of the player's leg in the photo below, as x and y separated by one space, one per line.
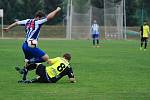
28 55
93 38
39 59
41 72
93 42
29 67
145 46
32 55
97 39
39 56
97 42
142 40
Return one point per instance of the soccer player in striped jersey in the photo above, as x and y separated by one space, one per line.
32 29
95 33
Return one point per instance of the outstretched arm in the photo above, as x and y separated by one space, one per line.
10 26
52 14
71 76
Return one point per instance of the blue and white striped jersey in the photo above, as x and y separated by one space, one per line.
95 29
32 27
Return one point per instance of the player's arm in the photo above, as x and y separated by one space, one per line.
22 22
10 26
52 61
49 16
52 14
148 30
141 30
49 61
71 76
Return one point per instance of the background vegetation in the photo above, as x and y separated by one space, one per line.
22 9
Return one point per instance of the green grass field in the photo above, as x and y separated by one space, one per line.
117 70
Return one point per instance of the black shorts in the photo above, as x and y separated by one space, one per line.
144 39
44 78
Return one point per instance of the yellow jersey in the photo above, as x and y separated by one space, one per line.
145 31
59 64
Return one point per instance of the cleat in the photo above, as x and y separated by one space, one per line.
24 81
27 81
140 48
21 81
98 46
21 71
144 49
17 68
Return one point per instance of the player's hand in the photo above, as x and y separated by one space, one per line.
49 61
6 29
58 9
72 80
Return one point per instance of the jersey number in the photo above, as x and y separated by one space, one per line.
61 67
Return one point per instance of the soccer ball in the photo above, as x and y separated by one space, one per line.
32 43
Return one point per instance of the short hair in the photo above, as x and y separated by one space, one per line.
145 22
95 21
39 14
67 56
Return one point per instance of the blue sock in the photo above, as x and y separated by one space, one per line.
36 60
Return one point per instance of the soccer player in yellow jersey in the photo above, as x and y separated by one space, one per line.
59 67
144 35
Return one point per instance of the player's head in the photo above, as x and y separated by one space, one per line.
95 21
39 14
145 22
67 56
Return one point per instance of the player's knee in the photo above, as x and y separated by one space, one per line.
31 67
45 57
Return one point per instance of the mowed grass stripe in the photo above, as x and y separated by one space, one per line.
117 70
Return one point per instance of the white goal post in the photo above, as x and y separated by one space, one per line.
1 16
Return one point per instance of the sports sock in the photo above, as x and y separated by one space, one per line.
145 45
25 74
36 60
141 44
97 41
93 42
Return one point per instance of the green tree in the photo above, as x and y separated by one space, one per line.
131 8
81 5
19 9
29 8
144 5
97 3
9 7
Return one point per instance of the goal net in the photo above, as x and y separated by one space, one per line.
79 20
113 19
